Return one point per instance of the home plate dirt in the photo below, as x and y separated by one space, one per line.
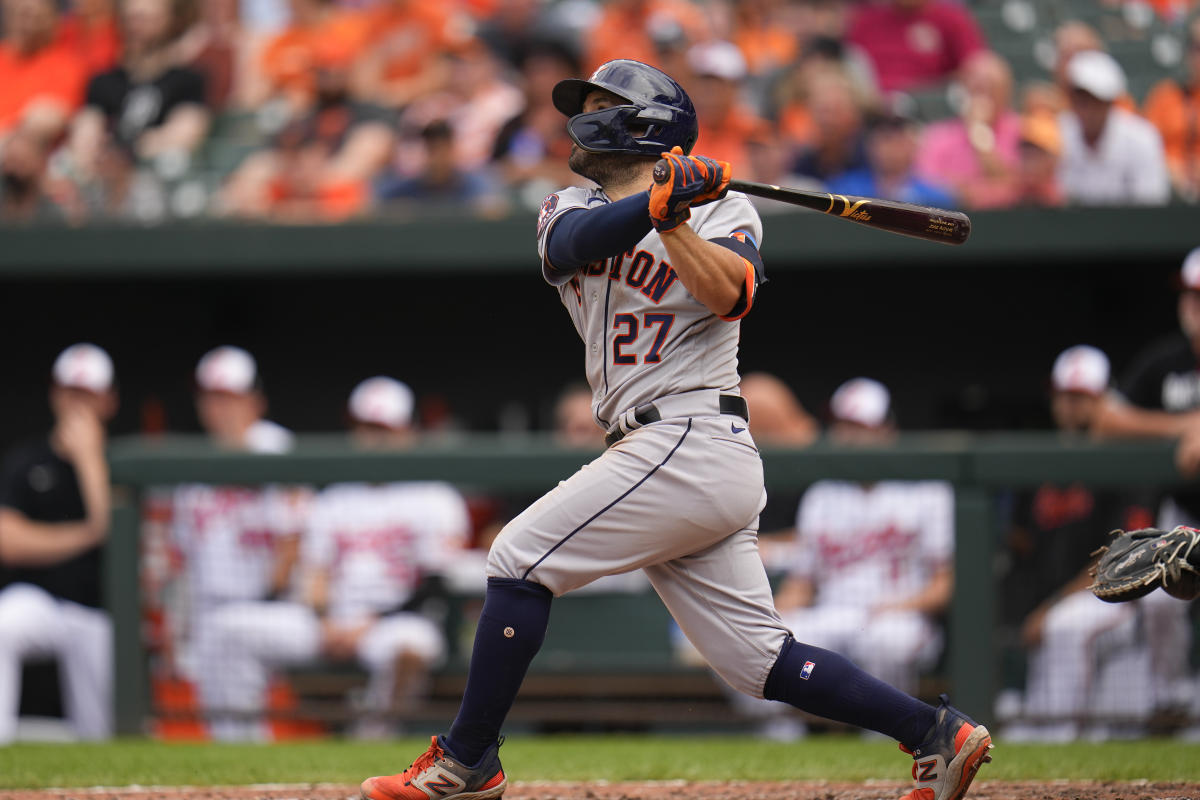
655 790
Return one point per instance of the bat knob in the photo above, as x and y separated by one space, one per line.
661 171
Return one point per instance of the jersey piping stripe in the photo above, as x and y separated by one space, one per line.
598 514
604 340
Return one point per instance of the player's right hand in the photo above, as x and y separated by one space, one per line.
681 182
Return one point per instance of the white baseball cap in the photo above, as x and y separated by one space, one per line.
83 366
1081 368
227 369
1097 73
382 401
1189 274
861 400
718 59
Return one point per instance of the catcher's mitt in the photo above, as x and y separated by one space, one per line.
1137 562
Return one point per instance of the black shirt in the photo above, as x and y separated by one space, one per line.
1055 531
1166 377
37 482
132 108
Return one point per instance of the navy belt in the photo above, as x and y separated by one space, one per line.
648 413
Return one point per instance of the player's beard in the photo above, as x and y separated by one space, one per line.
605 169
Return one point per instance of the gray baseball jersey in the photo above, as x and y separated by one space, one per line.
678 498
644 334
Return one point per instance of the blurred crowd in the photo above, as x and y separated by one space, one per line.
323 110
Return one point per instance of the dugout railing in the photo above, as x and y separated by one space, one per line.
979 465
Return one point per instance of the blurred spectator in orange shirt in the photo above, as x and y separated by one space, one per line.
320 165
531 149
761 31
727 124
915 43
1037 167
975 156
1174 109
41 79
400 63
639 29
90 30
319 33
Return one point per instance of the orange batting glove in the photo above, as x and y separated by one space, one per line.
681 182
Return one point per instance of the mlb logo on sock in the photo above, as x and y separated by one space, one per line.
806 673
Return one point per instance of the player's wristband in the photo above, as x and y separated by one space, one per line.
582 236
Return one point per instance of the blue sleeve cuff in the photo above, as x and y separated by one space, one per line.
582 236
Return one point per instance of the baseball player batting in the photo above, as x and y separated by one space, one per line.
656 271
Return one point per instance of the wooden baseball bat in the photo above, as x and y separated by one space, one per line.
908 219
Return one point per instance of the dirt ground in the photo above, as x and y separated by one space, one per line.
668 790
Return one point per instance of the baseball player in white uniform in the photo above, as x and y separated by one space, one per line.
1088 659
366 549
656 267
54 518
873 563
238 544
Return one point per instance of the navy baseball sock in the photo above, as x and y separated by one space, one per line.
824 683
511 629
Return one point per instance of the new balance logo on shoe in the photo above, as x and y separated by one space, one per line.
443 785
928 770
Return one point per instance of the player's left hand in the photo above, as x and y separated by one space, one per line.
681 182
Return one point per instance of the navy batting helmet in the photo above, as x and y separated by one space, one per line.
659 114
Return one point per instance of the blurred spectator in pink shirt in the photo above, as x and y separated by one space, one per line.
975 156
914 43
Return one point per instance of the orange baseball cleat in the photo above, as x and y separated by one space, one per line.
436 775
946 762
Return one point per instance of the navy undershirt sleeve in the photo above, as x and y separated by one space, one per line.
582 236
